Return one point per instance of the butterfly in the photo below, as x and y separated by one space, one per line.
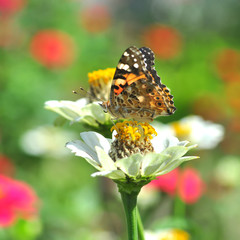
137 92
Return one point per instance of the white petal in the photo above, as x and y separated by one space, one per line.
131 165
67 109
170 167
93 139
82 150
88 120
82 102
162 142
115 174
176 163
151 163
176 151
99 114
205 133
106 162
176 154
188 158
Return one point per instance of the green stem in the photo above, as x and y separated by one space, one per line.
140 226
130 207
179 208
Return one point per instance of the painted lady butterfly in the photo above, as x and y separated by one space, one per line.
137 91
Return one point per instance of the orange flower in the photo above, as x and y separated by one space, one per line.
232 90
165 41
228 65
52 48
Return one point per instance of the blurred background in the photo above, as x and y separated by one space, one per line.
47 49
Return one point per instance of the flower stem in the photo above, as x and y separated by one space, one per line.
130 207
140 226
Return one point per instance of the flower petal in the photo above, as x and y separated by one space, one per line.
106 162
131 165
162 142
67 109
83 150
93 139
99 114
115 174
152 162
86 119
176 158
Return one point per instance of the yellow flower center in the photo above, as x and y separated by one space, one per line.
96 78
182 130
134 131
132 137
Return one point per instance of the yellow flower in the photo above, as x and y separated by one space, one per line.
95 77
100 83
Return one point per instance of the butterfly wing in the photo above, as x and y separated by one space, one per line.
137 91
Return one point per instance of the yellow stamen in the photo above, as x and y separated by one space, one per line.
105 76
134 131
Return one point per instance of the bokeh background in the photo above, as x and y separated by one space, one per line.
47 49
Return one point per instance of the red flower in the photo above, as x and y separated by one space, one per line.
6 166
8 7
186 183
95 19
52 48
167 182
17 200
228 65
166 42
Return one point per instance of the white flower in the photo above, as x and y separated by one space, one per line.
39 141
195 129
168 154
167 234
79 111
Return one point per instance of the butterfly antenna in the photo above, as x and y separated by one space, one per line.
88 93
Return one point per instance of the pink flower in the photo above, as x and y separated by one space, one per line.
186 183
52 48
191 185
167 182
17 200
8 7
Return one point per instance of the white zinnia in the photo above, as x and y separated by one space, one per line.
94 148
195 129
80 110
